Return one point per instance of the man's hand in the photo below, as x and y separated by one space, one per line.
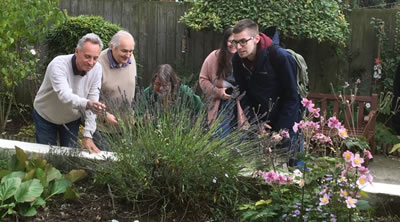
111 119
264 128
89 145
96 106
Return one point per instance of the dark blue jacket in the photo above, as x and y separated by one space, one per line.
271 89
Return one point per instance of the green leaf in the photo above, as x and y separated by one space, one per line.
52 173
363 205
4 173
41 175
263 202
9 187
38 202
22 157
395 147
18 174
364 194
76 175
60 186
27 211
28 191
70 194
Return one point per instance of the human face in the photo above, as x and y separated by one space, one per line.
231 47
246 44
86 57
124 50
161 88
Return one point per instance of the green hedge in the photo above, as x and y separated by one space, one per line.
62 39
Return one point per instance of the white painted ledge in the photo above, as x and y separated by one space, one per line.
45 149
383 188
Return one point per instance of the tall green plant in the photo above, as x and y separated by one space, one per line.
171 163
321 20
23 24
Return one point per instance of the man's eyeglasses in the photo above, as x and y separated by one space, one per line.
242 42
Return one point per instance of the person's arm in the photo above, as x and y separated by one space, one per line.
289 102
209 84
90 117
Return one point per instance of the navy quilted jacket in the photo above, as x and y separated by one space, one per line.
270 90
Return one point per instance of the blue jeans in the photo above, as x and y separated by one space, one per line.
226 112
296 146
46 132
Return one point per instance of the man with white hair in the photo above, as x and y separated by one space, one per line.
118 83
70 91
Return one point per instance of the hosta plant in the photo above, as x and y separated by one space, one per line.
30 182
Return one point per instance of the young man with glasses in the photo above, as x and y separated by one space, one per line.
271 98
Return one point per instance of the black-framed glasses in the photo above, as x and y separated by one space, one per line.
242 42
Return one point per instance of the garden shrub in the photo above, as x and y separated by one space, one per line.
171 163
23 25
62 39
321 20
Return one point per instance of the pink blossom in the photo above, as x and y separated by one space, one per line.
362 180
285 134
351 203
334 123
276 138
368 154
308 104
315 112
348 156
324 200
344 193
342 132
363 170
370 178
357 161
358 81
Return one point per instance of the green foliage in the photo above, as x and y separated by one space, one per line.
384 136
63 38
169 160
23 25
30 182
321 20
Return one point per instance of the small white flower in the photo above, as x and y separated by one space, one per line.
367 105
226 175
214 180
33 52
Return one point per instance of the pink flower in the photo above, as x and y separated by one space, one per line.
324 200
348 156
344 193
334 123
358 81
357 161
342 132
351 203
276 138
362 181
308 104
370 178
368 154
285 134
363 170
315 112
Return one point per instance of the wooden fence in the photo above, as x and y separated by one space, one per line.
161 39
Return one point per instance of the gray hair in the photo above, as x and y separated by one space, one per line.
114 42
91 37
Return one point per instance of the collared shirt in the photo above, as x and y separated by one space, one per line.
114 64
75 68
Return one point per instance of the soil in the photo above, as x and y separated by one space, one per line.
95 204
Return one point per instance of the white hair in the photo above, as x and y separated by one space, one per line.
114 42
90 37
